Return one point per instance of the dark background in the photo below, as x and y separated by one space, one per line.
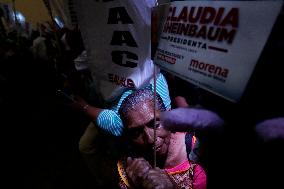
40 134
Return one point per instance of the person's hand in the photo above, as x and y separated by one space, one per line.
180 102
142 174
137 170
79 103
158 179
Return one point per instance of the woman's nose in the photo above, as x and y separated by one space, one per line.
148 135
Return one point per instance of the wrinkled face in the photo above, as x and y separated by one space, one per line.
140 124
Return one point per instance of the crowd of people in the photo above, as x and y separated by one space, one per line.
155 130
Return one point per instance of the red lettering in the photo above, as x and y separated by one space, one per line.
173 17
232 18
208 15
191 17
212 69
183 15
219 16
208 19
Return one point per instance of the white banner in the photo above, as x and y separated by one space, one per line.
215 44
117 36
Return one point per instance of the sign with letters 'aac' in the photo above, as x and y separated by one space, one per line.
215 44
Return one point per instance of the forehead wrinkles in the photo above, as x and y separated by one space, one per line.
145 108
141 114
140 96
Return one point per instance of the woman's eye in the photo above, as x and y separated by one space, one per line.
135 133
158 124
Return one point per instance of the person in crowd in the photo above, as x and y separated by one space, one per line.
172 148
135 166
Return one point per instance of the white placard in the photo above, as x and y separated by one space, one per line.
216 44
117 35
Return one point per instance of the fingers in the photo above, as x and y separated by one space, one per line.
78 103
137 169
141 172
157 179
137 162
129 160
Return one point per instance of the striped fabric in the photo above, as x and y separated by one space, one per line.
109 119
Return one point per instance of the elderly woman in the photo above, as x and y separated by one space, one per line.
135 167
174 169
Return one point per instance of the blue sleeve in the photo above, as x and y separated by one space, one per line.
123 96
109 119
110 122
163 90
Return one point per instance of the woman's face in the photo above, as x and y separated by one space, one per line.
140 128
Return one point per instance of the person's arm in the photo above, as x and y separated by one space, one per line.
86 143
199 178
106 119
191 119
163 90
96 151
92 111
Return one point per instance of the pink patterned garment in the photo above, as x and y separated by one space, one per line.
188 175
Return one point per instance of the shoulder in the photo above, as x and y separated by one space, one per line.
199 177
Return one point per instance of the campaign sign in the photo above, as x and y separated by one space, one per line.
215 44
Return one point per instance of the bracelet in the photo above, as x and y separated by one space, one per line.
85 107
